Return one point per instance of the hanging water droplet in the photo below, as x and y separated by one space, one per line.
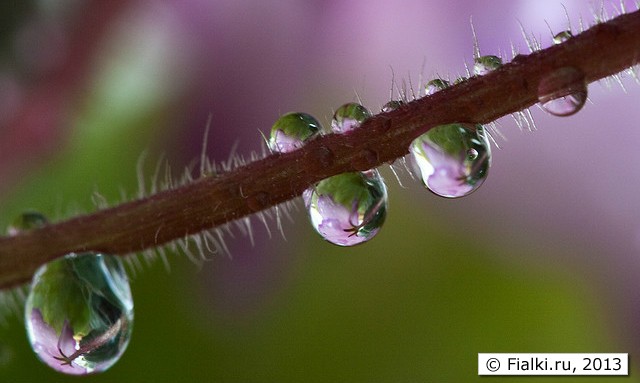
562 92
392 105
436 85
348 209
348 117
291 131
485 64
561 37
79 313
451 160
27 221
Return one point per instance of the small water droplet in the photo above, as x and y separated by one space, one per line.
79 313
485 64
561 37
436 85
392 105
292 130
562 92
27 221
348 117
349 208
451 160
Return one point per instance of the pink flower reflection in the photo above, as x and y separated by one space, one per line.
337 224
441 172
52 349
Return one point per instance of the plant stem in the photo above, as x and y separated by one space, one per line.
601 51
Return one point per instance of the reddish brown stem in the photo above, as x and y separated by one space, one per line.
601 51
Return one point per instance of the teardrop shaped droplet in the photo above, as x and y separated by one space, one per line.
392 105
451 160
348 209
348 117
27 221
561 37
436 85
485 64
292 130
562 92
79 313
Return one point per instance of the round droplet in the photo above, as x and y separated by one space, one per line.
348 209
436 85
485 64
79 313
451 160
562 92
291 131
561 37
27 221
348 117
392 105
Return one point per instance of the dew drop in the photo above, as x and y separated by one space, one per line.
292 130
485 64
391 105
436 85
562 92
348 117
561 37
27 221
349 208
79 313
451 160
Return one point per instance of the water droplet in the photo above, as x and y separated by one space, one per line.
392 105
451 160
436 85
348 209
485 64
561 37
562 92
348 117
27 221
292 130
79 313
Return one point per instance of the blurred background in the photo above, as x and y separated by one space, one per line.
542 258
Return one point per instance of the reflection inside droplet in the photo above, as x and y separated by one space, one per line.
79 313
562 92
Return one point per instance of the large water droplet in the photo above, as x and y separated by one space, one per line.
348 209
561 37
436 85
485 64
451 160
79 313
562 92
348 117
292 130
27 221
